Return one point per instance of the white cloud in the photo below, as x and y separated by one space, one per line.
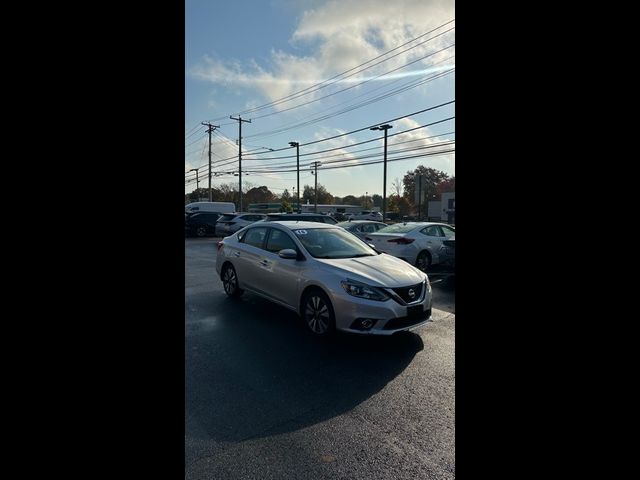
345 33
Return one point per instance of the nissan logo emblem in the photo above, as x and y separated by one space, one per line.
411 293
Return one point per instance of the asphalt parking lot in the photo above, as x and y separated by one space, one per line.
264 399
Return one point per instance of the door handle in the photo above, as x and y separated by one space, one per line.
264 262
237 254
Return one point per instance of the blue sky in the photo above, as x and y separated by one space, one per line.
250 53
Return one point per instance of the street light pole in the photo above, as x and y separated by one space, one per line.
384 127
297 145
240 120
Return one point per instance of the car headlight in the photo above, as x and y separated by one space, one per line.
361 290
428 283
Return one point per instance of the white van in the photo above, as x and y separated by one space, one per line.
218 207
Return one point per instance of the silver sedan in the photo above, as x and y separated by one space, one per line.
418 243
360 228
333 280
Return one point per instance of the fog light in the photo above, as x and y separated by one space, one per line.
363 323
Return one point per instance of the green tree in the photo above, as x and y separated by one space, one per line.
432 178
350 200
402 205
285 207
324 197
377 200
448 185
258 195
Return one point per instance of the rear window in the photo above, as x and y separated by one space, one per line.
397 228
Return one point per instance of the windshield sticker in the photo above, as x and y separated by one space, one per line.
301 232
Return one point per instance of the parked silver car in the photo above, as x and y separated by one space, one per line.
333 280
360 228
366 215
418 243
232 222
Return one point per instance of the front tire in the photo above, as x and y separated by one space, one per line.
230 282
201 231
317 313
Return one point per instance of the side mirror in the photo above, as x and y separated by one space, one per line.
288 253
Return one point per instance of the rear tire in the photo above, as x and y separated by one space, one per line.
230 282
423 262
201 231
317 314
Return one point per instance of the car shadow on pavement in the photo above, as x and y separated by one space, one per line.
252 370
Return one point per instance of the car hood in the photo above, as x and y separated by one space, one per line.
379 270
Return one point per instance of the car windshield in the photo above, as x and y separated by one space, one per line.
227 218
332 243
398 228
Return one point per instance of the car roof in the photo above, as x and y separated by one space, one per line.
292 214
300 224
419 224
360 221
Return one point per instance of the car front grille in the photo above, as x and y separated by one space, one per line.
403 293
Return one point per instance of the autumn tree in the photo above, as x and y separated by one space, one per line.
402 205
431 178
324 197
396 187
448 185
258 195
350 200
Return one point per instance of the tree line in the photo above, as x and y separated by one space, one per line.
401 198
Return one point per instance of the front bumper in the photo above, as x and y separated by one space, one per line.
388 317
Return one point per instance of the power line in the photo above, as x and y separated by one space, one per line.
365 128
281 168
349 145
296 125
355 85
328 82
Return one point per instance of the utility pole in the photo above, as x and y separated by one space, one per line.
197 180
297 145
419 194
384 127
210 129
239 119
315 174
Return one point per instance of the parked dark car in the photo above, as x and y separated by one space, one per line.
200 224
302 217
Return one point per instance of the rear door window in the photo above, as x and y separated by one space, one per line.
254 237
433 231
